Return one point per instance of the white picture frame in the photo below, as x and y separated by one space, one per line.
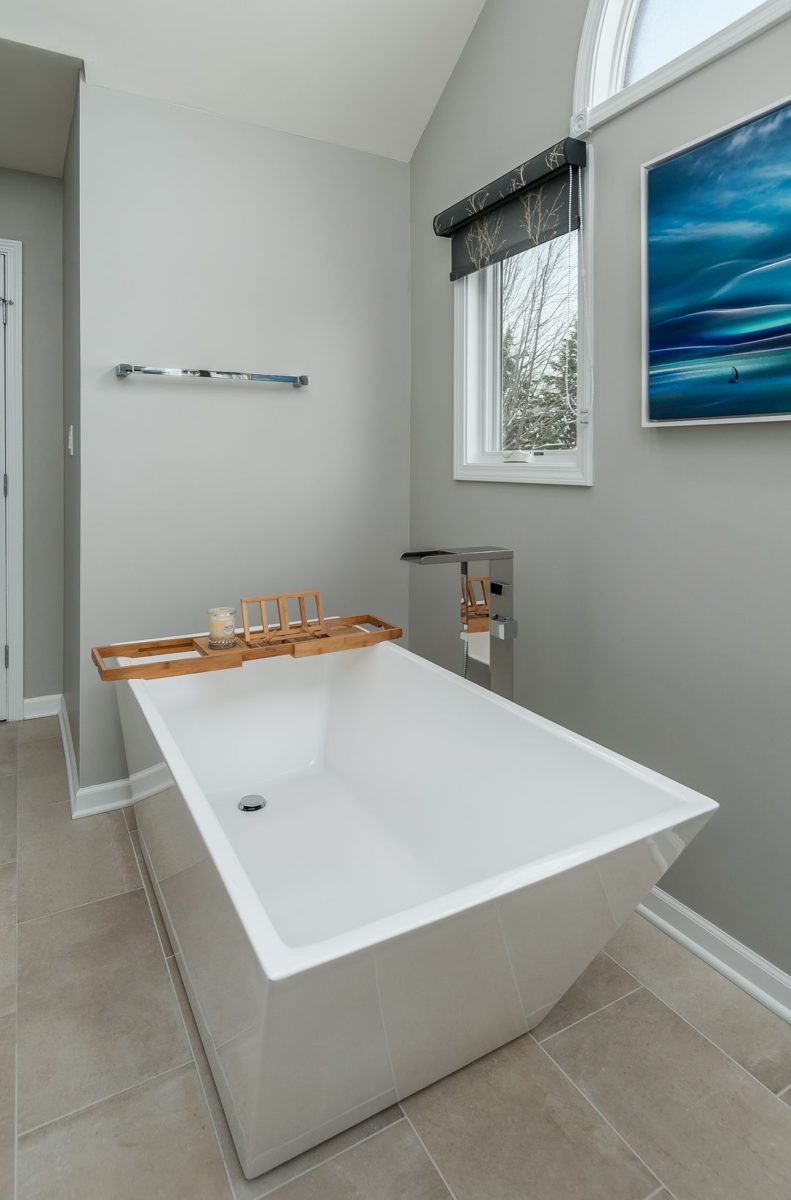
648 419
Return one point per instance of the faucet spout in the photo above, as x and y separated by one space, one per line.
459 554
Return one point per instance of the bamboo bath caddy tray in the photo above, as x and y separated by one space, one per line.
261 638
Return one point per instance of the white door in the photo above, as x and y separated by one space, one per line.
4 278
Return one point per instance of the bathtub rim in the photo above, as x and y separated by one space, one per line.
280 960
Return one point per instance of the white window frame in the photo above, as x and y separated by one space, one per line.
476 379
599 94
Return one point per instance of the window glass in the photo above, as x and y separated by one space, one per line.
666 28
538 346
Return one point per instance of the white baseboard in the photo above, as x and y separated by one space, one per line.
753 974
101 797
150 781
68 750
117 793
40 706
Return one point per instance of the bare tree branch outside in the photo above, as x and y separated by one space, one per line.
539 346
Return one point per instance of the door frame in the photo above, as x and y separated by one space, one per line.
14 566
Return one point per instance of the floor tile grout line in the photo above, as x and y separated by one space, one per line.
431 1158
579 1020
598 1111
201 1085
331 1158
141 1083
716 1046
140 863
658 1192
47 737
85 904
72 907
141 866
31 775
76 1112
541 1045
710 1040
50 773
192 1060
39 804
308 1170
204 1093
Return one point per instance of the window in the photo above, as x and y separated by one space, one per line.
664 29
631 49
517 379
522 394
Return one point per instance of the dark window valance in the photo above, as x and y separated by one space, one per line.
537 201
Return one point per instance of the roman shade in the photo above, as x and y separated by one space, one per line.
537 201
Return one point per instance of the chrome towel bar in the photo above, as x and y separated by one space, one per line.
123 370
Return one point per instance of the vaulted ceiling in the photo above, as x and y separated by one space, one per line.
361 73
37 91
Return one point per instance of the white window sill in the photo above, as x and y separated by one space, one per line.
521 472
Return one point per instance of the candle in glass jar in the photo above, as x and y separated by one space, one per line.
222 630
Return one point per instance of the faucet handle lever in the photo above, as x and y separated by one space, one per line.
503 628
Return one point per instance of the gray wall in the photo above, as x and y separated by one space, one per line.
206 242
71 416
654 607
30 212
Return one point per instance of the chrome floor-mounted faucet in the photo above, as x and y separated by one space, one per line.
502 626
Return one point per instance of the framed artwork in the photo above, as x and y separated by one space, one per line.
717 277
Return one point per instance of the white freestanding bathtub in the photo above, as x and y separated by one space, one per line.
433 869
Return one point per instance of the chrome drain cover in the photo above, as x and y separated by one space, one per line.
252 803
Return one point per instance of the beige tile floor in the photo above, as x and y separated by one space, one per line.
653 1078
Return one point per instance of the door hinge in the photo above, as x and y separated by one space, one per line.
6 658
5 484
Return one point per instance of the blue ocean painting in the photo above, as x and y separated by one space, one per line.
719 276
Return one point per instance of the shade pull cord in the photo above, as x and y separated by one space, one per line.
568 294
585 304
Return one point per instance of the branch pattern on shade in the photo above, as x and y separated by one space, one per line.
536 201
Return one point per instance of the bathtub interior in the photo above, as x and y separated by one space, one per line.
389 783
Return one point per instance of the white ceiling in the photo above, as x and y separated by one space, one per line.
362 73
36 99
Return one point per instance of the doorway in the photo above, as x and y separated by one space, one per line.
11 561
